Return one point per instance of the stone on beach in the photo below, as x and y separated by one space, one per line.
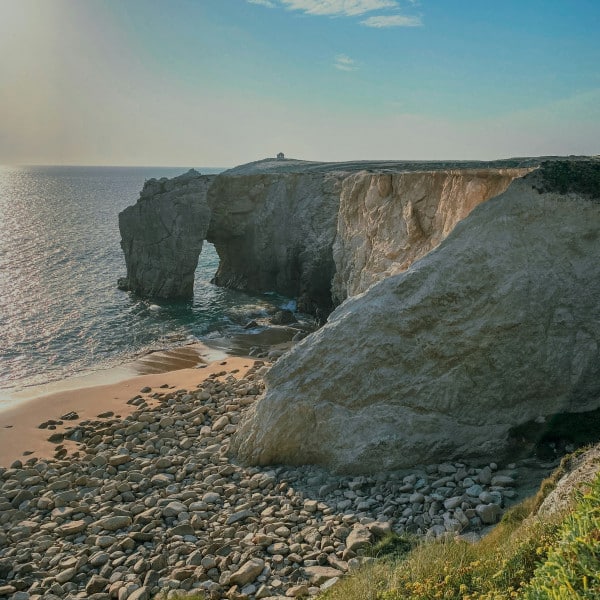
248 572
184 517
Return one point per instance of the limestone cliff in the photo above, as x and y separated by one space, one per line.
315 231
275 232
162 235
498 326
387 221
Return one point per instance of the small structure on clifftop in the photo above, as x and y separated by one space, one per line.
280 156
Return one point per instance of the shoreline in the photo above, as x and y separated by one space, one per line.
102 392
159 361
256 343
111 390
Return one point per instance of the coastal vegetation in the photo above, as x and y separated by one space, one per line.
525 556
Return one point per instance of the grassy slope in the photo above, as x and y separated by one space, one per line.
522 557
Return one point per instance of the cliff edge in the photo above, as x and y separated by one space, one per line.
498 326
319 232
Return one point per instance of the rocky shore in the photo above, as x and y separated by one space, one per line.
151 504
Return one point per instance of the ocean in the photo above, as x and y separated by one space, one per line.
61 314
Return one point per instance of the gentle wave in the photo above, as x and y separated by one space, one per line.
61 313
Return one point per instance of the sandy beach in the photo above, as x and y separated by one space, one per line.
22 438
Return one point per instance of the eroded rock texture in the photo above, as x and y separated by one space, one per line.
387 221
498 326
315 231
162 235
275 232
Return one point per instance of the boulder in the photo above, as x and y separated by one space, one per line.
318 575
248 572
359 537
283 317
499 326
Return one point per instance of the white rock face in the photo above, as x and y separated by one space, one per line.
496 327
386 221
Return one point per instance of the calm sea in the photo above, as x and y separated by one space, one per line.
61 313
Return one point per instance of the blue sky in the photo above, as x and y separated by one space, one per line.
221 82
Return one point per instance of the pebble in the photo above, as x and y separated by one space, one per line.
152 505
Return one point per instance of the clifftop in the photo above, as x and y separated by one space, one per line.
316 231
274 165
570 177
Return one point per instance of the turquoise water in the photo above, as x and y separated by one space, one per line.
61 313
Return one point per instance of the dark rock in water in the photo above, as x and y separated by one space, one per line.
283 317
251 325
123 284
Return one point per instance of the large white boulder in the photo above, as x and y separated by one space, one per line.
498 326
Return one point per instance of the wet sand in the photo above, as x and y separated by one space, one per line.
20 435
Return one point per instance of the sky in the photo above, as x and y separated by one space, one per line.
217 83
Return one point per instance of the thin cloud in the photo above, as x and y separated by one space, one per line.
349 8
266 3
345 63
392 21
340 8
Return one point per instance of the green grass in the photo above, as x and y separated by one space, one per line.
529 558
564 176
572 568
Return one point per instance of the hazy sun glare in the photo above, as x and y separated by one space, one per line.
219 83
